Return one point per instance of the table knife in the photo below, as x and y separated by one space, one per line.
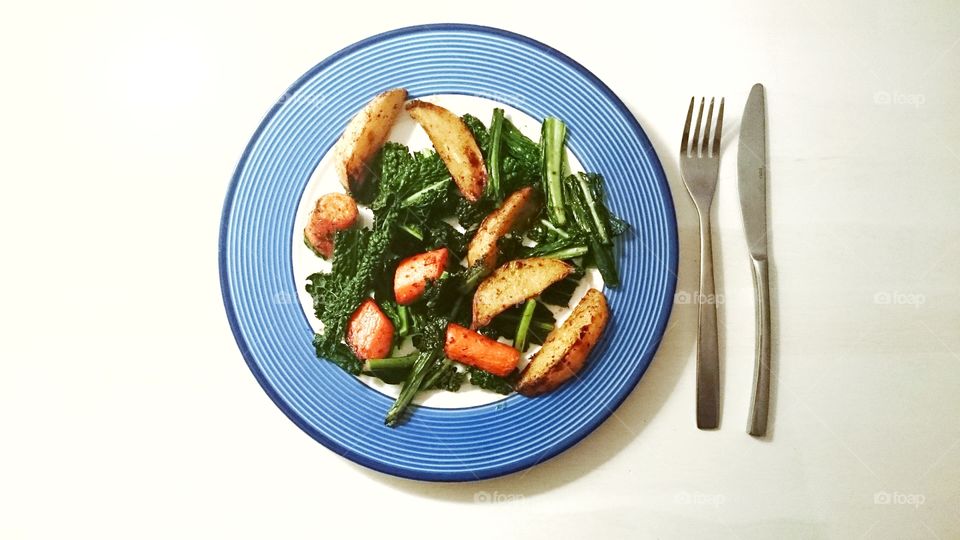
752 172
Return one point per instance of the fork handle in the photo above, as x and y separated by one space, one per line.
708 348
760 401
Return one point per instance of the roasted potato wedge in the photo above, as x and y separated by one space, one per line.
455 144
512 284
565 350
364 136
333 212
515 212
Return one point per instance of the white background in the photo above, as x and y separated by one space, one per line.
126 410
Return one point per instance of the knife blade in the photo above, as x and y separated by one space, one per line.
752 169
752 184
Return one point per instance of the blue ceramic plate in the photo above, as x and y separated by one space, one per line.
259 231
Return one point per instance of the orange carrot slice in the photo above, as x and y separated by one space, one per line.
473 349
412 275
370 331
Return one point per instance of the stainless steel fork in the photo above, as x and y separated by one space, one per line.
700 167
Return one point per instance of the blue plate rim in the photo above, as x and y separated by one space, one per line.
345 452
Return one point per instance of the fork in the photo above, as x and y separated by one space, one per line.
700 167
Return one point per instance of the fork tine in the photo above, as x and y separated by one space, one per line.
716 136
686 129
705 149
696 131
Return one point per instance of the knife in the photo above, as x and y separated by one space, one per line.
752 172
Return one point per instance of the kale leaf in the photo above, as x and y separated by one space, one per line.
479 131
447 377
521 164
409 180
583 194
489 381
505 324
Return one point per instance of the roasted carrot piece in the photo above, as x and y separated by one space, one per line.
369 331
468 347
414 272
334 212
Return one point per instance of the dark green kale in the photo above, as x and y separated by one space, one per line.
479 131
390 370
540 323
411 186
401 316
513 160
409 180
521 162
489 381
446 377
429 360
493 158
543 231
442 234
569 247
443 296
591 193
439 294
337 353
584 200
356 276
509 247
523 327
559 293
519 145
368 189
336 295
469 215
419 187
553 133
442 373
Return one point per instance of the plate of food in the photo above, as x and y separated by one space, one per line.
448 252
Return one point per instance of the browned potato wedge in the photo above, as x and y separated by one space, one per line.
565 350
455 144
516 210
513 283
364 136
333 212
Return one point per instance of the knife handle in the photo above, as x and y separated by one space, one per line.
708 348
760 402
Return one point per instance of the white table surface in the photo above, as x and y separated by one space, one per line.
128 412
